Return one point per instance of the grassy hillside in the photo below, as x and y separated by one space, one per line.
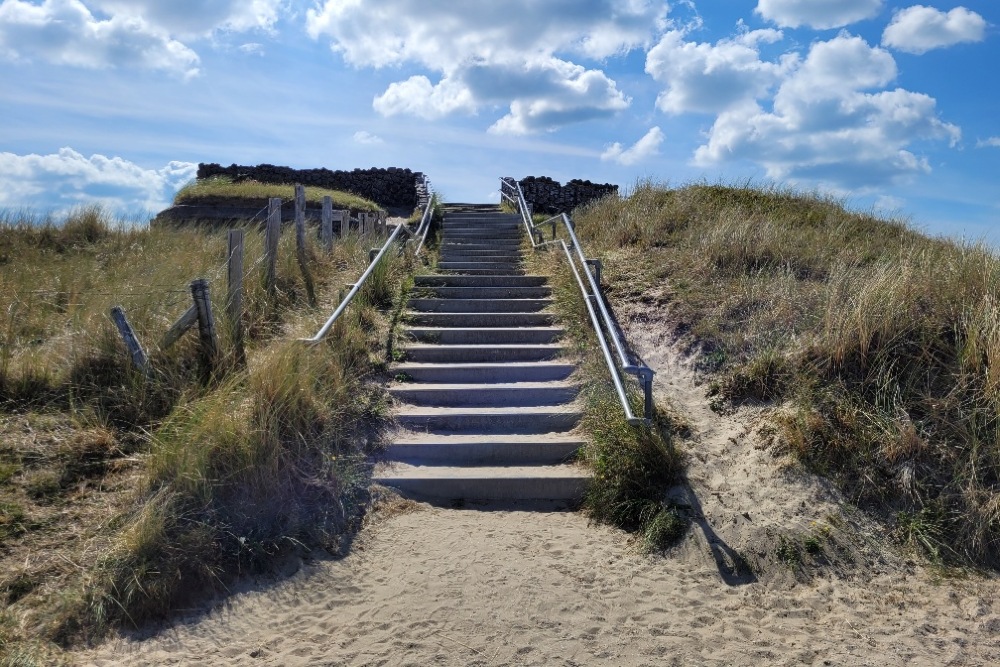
121 495
878 347
254 193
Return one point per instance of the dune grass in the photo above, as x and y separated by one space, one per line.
224 187
878 346
122 496
633 465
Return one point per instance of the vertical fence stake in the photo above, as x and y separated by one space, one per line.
206 326
300 242
234 302
326 224
345 223
135 350
271 242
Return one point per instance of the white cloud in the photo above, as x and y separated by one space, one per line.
889 204
824 128
367 138
919 29
992 142
491 55
65 32
709 78
190 18
646 147
819 14
419 97
69 178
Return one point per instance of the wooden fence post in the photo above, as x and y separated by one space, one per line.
135 350
234 302
300 242
206 326
345 223
326 224
271 242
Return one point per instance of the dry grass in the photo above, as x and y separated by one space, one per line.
633 466
212 190
881 345
119 493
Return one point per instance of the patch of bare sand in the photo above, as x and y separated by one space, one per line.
507 586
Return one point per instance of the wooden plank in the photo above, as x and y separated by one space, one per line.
139 358
180 327
206 327
300 242
271 243
326 224
234 300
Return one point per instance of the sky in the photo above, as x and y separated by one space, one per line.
892 107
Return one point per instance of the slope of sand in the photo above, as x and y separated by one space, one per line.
509 586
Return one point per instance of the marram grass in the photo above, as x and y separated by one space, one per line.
879 347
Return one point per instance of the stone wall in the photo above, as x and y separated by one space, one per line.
549 196
393 188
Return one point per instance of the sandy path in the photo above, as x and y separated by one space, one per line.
492 586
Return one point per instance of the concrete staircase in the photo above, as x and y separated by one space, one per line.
487 406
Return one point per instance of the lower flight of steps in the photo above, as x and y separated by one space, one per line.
487 408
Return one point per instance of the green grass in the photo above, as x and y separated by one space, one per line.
878 346
223 187
633 465
174 485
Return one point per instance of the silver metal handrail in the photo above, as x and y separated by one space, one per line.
421 233
644 374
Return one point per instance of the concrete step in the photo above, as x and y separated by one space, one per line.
524 394
484 252
454 305
481 234
448 241
485 272
483 336
470 354
564 482
478 266
479 281
480 320
533 371
489 292
513 257
483 421
464 450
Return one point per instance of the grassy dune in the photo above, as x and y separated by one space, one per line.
121 496
878 347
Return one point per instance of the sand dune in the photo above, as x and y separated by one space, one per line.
508 586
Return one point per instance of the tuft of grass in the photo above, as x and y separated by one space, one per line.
633 466
212 190
882 345
173 485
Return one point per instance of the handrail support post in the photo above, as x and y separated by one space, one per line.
598 266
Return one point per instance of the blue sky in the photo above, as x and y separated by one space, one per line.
893 106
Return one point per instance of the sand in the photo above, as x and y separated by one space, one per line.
489 585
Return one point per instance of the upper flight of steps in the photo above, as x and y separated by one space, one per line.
486 407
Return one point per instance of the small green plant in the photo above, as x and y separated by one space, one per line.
788 552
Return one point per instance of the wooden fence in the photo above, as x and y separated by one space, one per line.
200 311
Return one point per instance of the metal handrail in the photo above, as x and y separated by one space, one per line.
642 372
421 232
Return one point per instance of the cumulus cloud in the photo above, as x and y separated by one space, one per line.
68 178
65 32
919 29
485 59
646 147
196 17
825 127
817 14
367 138
992 142
710 78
